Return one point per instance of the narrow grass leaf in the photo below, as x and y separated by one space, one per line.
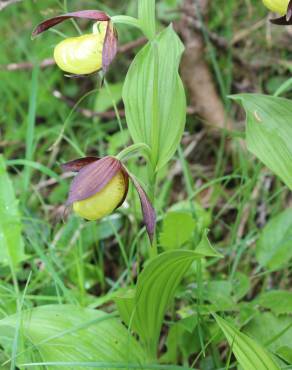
35 165
11 242
29 142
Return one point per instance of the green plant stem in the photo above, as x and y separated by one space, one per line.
125 19
115 108
132 150
155 138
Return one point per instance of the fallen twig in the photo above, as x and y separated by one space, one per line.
4 4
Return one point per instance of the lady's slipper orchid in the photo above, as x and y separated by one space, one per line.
88 53
101 186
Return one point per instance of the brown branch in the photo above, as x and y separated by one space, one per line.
27 65
196 74
223 44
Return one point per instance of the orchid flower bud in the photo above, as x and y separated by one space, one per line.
101 186
277 6
81 55
87 53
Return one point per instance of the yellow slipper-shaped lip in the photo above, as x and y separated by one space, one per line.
80 55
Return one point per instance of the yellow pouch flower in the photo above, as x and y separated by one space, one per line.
88 53
105 201
277 6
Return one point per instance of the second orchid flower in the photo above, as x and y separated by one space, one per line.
88 53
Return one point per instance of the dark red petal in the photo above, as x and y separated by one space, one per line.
95 15
282 21
110 47
149 215
289 11
77 164
93 178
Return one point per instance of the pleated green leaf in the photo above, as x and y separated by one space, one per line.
269 132
66 333
154 96
156 288
146 14
144 310
249 353
11 242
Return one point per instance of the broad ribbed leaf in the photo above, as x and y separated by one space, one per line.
274 247
144 311
249 353
146 14
156 118
65 333
155 290
269 132
11 242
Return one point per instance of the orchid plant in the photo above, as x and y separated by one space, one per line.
155 107
101 185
